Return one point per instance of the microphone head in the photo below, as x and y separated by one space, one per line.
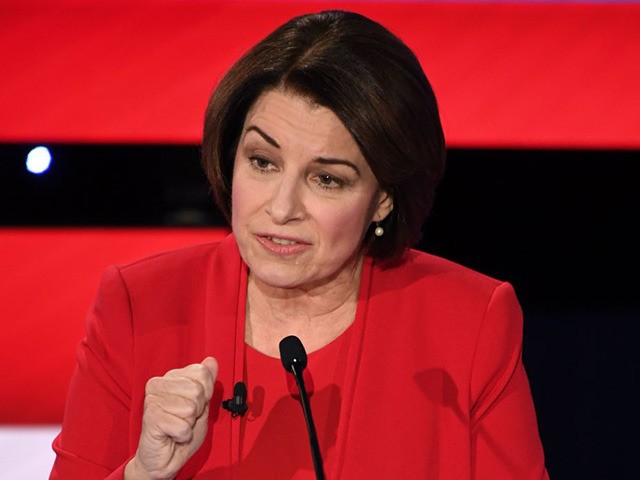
240 390
292 353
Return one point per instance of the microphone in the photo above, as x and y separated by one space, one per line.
294 360
237 405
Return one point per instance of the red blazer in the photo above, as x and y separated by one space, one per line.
434 385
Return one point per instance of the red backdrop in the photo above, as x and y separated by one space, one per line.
506 75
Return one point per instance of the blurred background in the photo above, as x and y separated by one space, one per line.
101 107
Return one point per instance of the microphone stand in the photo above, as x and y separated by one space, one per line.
294 360
306 409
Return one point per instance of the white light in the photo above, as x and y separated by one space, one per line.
38 160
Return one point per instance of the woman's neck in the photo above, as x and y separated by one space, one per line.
316 316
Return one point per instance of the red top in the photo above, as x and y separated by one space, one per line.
433 384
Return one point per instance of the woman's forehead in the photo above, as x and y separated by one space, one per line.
286 116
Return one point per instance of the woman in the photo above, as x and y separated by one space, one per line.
323 146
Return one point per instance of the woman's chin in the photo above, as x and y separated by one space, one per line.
277 277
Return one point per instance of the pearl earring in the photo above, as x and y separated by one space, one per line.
379 231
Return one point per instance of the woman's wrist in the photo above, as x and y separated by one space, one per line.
134 471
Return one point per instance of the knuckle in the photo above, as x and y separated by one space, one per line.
196 389
175 372
191 409
152 403
153 384
202 373
184 432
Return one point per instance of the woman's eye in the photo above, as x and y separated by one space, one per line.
329 181
261 164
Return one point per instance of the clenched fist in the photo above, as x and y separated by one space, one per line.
174 422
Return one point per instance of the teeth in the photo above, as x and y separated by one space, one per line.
281 241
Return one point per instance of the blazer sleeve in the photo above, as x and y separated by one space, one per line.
505 442
94 440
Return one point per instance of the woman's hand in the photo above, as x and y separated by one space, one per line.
174 422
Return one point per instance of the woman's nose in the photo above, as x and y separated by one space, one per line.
286 202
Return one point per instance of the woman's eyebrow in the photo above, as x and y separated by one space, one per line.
259 131
337 161
322 160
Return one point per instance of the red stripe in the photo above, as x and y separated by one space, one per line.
506 75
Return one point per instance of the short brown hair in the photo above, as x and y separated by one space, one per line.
375 85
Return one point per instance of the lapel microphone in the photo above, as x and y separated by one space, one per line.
237 404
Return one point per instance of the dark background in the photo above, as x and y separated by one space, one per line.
561 226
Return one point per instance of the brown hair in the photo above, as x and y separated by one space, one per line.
372 81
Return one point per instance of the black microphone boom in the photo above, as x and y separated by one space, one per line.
294 360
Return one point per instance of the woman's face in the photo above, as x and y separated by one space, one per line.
303 194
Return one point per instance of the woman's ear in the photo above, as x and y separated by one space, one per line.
384 206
